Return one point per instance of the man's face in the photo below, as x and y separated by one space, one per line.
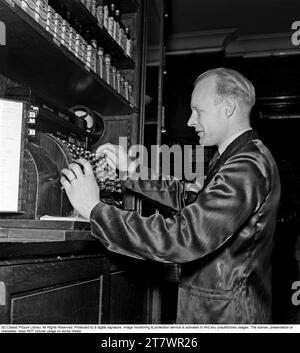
207 116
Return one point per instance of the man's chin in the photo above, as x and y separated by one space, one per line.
202 141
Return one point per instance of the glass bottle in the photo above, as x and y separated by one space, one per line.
111 19
116 31
105 14
107 63
128 42
100 54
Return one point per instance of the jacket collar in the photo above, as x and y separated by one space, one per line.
231 149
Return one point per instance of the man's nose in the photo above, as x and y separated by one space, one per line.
192 121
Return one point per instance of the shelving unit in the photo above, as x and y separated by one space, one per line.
119 57
126 6
63 263
33 58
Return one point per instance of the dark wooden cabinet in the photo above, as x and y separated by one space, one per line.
74 289
128 298
64 290
76 303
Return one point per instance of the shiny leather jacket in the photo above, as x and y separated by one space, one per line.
223 240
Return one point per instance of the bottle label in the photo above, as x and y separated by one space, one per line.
129 47
107 74
91 58
84 51
41 12
116 31
72 40
58 27
66 34
111 22
29 7
100 67
79 47
105 17
121 35
99 15
124 40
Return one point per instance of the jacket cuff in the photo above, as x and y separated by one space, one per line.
95 208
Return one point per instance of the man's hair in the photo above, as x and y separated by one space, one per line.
230 83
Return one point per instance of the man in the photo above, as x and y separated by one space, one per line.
224 238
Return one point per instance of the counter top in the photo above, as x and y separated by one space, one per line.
23 230
32 238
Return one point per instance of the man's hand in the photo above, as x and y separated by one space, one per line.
117 158
81 186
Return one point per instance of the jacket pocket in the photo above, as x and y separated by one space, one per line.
214 294
204 306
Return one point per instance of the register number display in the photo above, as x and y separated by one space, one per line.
11 114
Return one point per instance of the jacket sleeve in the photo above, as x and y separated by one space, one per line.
167 192
236 192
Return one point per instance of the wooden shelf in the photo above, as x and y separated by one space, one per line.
31 57
119 58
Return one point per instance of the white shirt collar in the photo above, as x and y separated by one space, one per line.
230 139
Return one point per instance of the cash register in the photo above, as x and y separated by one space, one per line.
36 144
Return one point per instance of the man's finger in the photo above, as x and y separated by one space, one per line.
102 150
76 169
87 168
111 163
111 159
65 183
69 174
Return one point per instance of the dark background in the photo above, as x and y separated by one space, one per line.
276 114
277 83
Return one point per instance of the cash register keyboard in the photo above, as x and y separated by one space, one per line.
106 176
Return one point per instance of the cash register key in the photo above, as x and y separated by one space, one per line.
99 173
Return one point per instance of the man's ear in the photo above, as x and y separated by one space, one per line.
229 106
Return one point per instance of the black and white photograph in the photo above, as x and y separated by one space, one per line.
149 179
